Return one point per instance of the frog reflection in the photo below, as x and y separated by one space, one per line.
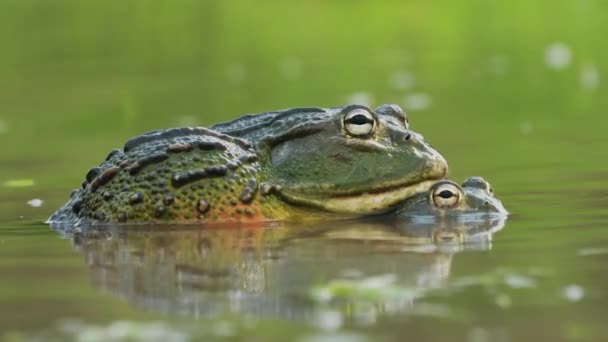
269 272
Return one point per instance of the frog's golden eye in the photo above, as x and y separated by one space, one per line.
359 122
446 195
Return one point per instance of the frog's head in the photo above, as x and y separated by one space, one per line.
349 159
447 198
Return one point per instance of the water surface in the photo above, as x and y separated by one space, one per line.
513 92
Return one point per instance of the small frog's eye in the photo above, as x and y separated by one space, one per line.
359 122
446 195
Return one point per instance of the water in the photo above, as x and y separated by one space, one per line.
513 92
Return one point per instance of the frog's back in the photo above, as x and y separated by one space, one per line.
254 127
176 175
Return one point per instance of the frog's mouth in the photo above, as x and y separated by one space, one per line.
372 202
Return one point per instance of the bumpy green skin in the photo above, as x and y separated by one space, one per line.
126 189
293 164
476 198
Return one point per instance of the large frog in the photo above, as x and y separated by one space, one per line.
286 165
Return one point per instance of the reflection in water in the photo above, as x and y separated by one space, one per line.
272 271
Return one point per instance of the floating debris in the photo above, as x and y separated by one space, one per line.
503 301
573 293
479 334
19 183
519 281
290 69
35 203
124 331
333 337
589 78
558 56
417 101
224 329
593 251
328 320
361 98
376 288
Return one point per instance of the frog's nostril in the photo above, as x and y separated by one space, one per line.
407 137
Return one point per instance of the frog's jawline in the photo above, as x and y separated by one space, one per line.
364 203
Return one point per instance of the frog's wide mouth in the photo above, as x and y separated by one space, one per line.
371 202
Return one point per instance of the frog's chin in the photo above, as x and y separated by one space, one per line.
363 203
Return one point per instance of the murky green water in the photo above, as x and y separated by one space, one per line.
513 91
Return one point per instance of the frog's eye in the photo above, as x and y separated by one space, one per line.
359 122
446 195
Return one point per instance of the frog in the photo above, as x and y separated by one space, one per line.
294 164
475 197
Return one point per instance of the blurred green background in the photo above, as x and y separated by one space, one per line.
513 91
80 77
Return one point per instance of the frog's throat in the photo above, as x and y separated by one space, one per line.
363 203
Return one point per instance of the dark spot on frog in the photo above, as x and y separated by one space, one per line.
94 172
160 211
208 146
232 165
104 178
77 206
168 200
249 191
180 179
121 217
136 198
138 165
113 153
202 206
248 158
107 195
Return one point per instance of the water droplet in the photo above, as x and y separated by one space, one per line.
3 126
236 73
498 65
589 77
361 98
526 127
417 101
401 80
35 203
290 69
558 56
573 293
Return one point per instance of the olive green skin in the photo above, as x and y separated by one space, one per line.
476 198
293 164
